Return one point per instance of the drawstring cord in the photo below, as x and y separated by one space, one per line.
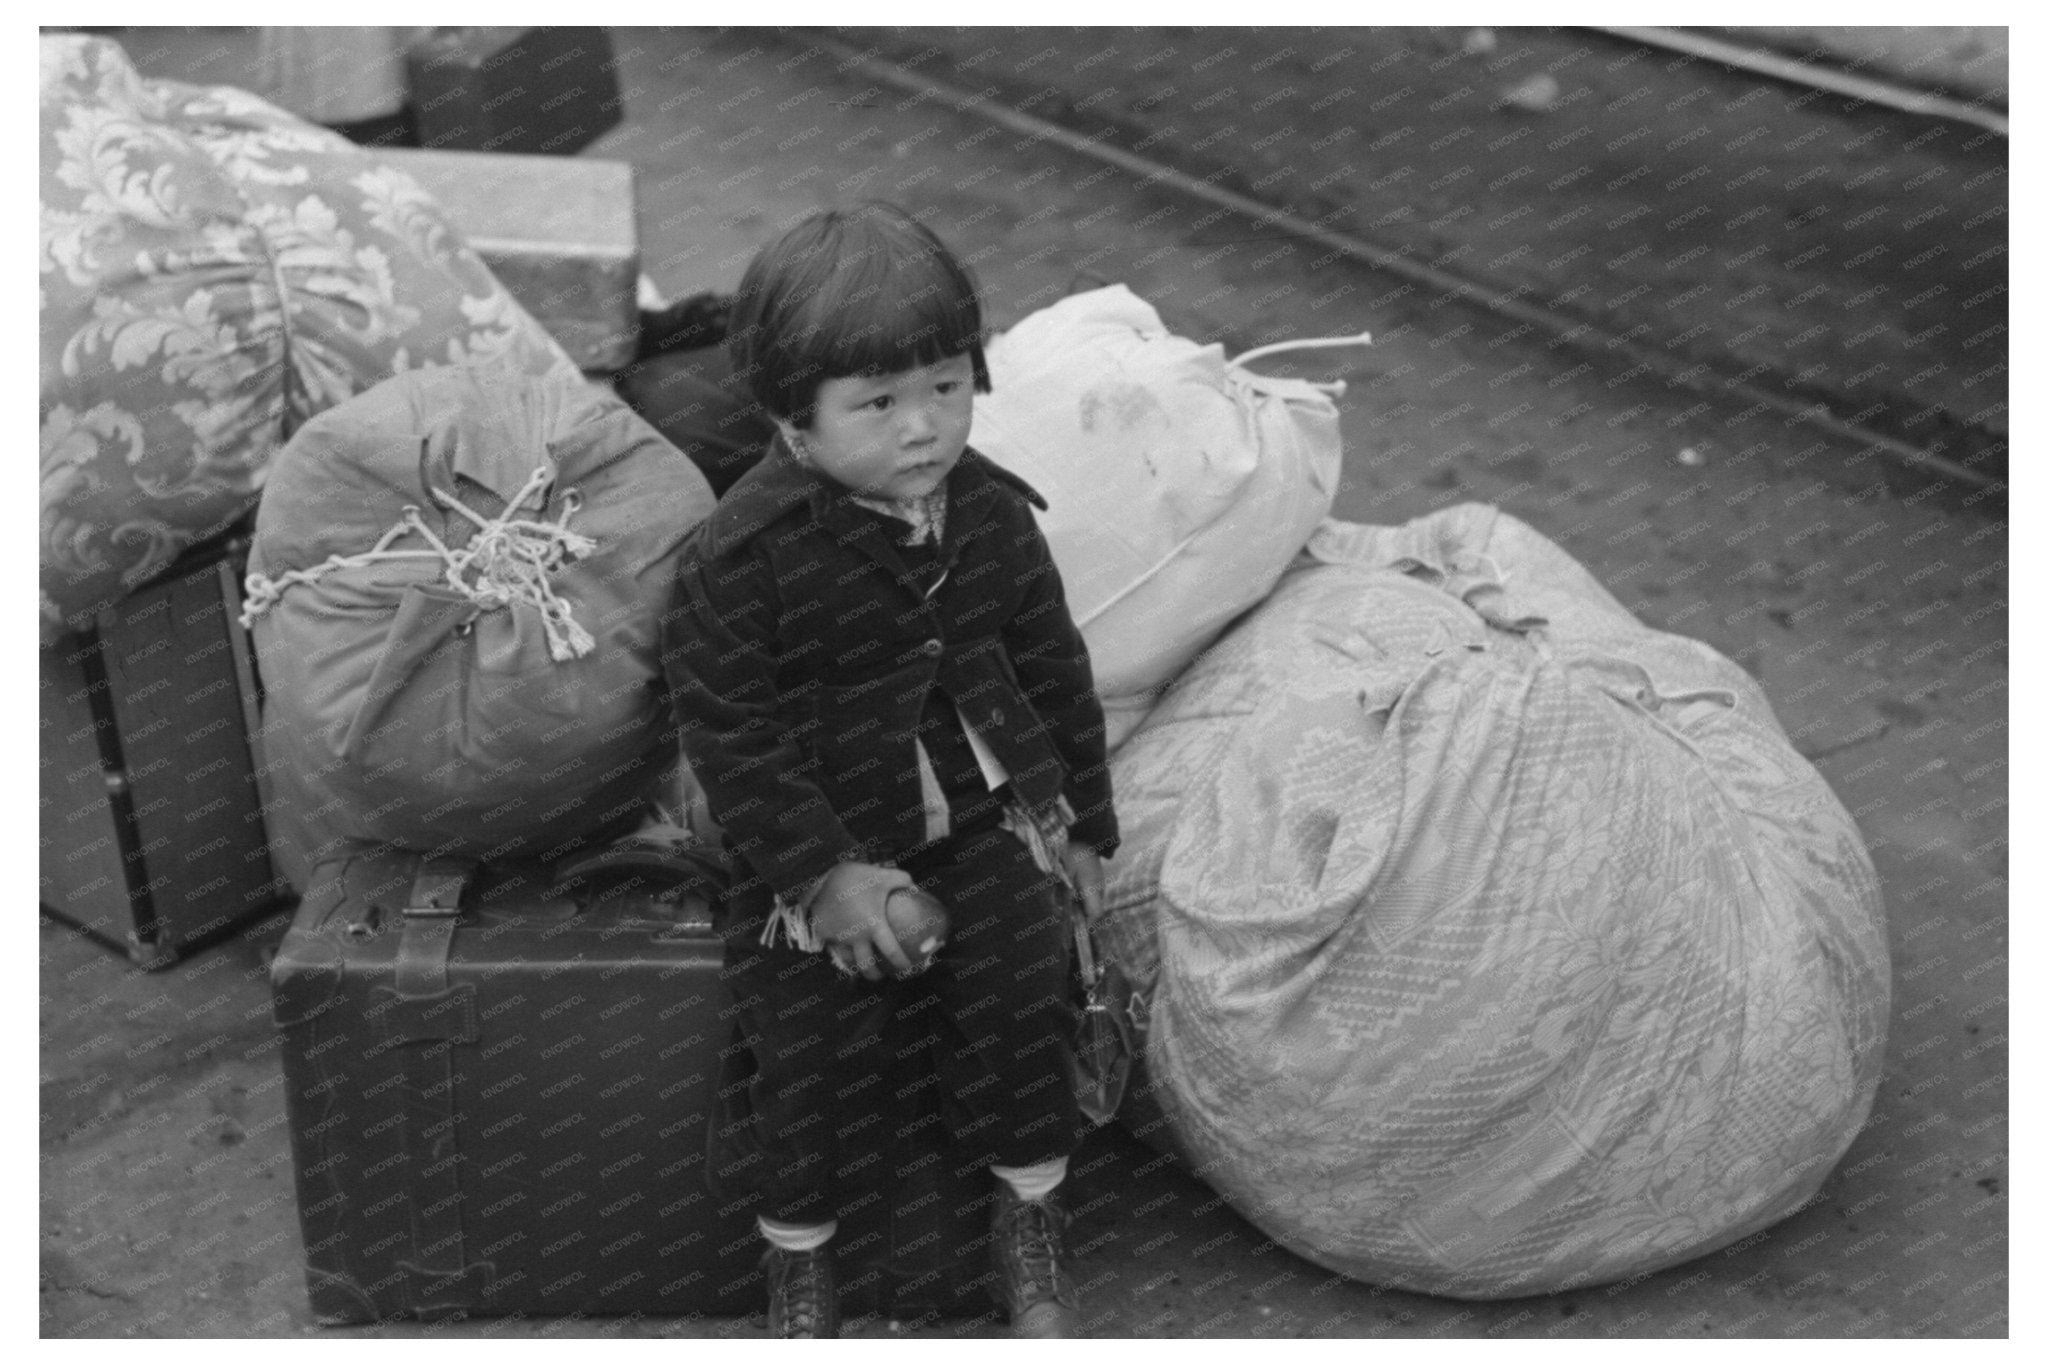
1334 387
508 560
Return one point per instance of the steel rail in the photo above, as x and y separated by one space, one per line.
1763 62
1569 330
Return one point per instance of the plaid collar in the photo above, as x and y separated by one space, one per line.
926 515
777 485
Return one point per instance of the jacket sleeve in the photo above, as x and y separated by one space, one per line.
719 653
1052 666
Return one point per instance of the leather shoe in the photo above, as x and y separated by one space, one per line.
803 1295
1030 1278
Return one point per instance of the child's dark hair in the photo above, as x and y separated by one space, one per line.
860 291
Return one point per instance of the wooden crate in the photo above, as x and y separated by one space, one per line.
152 831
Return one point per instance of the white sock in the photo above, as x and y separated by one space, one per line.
797 1236
1031 1183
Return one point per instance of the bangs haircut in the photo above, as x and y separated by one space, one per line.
849 293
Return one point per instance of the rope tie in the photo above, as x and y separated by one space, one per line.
509 559
1334 388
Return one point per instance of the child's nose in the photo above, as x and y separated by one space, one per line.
919 423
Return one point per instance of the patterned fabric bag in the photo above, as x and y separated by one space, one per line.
213 272
1495 943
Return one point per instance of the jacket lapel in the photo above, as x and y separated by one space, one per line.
853 526
970 491
970 498
777 483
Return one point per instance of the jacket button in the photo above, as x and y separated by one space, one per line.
995 717
931 648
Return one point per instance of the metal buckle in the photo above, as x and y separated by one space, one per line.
437 889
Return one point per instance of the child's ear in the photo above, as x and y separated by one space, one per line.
793 437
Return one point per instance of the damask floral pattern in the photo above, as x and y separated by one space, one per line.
213 272
1495 943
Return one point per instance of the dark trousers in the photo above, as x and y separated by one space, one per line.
843 1068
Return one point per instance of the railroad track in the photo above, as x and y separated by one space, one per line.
1852 85
1721 377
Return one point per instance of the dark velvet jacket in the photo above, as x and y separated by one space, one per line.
801 648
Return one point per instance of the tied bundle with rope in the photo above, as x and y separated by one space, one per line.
1180 484
1491 942
510 559
455 590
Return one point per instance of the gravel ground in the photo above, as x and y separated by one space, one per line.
1871 605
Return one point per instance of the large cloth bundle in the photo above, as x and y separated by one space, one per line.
456 589
1496 944
213 271
1180 484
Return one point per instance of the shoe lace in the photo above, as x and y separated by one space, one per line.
802 1291
1031 1233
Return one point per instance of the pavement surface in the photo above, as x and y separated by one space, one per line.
1851 258
1974 60
1872 604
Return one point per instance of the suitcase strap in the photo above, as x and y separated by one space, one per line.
426 1020
429 930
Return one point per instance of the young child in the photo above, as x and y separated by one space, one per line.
880 687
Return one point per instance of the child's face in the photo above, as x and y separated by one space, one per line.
892 436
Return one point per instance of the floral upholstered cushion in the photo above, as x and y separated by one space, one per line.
213 272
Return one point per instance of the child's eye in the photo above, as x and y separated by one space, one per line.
880 403
949 385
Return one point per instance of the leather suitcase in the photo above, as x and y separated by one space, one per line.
151 818
501 1098
551 90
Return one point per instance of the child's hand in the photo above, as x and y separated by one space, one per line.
1084 870
849 918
